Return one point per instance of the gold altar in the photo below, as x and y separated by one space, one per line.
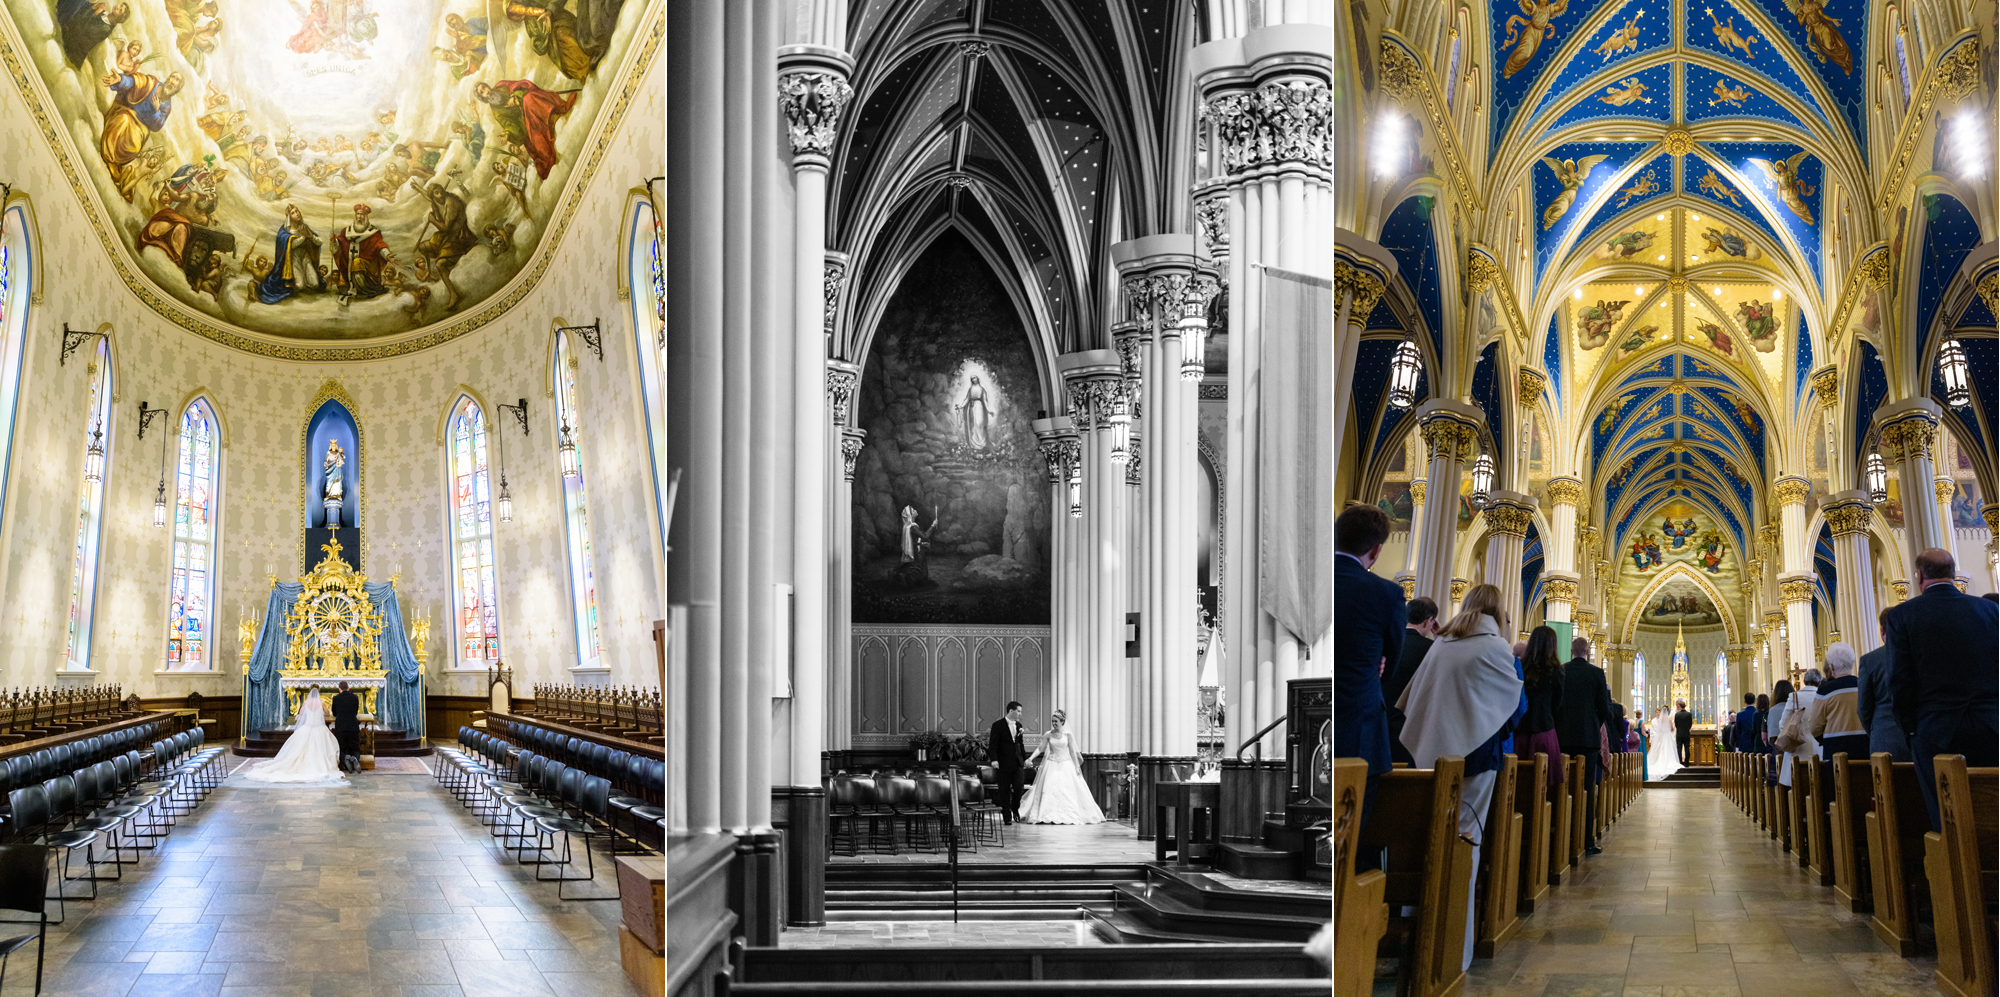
333 630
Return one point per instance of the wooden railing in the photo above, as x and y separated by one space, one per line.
27 714
635 714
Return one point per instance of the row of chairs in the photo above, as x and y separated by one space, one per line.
630 773
61 799
920 806
527 796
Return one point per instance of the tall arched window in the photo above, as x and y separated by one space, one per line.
1722 700
90 510
189 624
576 518
1639 681
16 275
472 538
647 283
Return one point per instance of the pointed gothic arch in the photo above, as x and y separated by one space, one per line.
1729 628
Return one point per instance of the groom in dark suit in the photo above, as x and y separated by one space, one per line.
1684 733
347 728
1008 753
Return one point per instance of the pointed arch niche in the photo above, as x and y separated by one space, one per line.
1702 647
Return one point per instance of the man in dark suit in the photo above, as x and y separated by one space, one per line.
1586 707
1423 618
1876 704
1746 724
347 728
1008 753
1683 732
1943 686
1368 635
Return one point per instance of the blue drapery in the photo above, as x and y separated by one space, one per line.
402 700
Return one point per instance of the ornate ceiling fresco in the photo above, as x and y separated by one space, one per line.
322 172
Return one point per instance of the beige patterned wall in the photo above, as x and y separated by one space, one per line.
401 404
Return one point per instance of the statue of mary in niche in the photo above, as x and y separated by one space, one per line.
973 416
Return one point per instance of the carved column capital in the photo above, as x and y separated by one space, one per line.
1508 519
1094 399
1418 488
1448 434
1849 517
1559 590
1211 213
841 380
1944 488
1901 588
851 442
1364 286
1566 491
1586 620
1792 491
1991 513
834 274
1989 290
1909 436
1060 452
1133 474
1826 384
1529 383
1281 123
1767 538
1795 590
1480 271
1458 586
812 98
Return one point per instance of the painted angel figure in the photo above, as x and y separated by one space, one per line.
1572 173
1823 36
1625 92
1625 39
1791 188
1540 13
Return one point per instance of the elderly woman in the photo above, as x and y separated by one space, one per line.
1800 703
1465 700
1836 715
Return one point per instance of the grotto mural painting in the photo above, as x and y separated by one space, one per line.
951 500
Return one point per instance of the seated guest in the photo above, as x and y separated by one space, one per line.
1875 703
1544 686
1423 625
1370 633
1836 717
1464 701
1945 688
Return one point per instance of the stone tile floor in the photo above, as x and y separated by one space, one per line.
385 889
1690 899
876 934
1111 843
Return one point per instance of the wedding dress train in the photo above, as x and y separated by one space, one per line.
1059 794
310 755
1663 758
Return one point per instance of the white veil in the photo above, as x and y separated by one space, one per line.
312 710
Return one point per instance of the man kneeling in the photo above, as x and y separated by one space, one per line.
347 728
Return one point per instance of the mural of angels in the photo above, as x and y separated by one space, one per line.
1712 184
1760 323
1627 92
1728 36
1823 38
1572 173
1623 40
1646 185
1733 96
1722 240
1790 188
1751 421
1540 13
1594 324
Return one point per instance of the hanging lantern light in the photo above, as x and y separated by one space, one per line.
1075 487
1951 364
566 454
1194 348
1877 476
1121 432
506 501
1403 371
1482 480
93 458
160 505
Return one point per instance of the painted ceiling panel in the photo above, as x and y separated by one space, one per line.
1637 29
1382 317
1976 315
1552 356
938 104
1487 385
1702 179
1982 360
1872 387
1832 34
1950 234
1643 240
1032 17
1962 420
1802 361
1711 94
1615 417
1718 26
1371 377
1525 44
1408 236
1646 95
869 124
1568 190
1789 181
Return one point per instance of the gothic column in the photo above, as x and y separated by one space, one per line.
1451 436
1907 429
1847 516
1094 382
1062 450
1944 488
1797 594
842 378
1796 574
1507 517
1408 576
1560 587
1266 106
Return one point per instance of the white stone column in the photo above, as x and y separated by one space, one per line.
1847 517
1798 597
812 91
1451 436
1419 490
1507 517
1179 479
842 380
1062 451
1560 585
1907 429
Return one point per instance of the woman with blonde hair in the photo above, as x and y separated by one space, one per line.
1464 700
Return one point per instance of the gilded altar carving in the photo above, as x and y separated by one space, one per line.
333 628
1566 491
1849 519
1792 491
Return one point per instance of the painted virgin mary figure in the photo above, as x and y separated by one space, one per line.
334 491
974 415
295 263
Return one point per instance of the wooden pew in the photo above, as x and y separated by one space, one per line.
1429 866
1853 797
1531 804
1961 862
1359 915
1500 865
1561 800
1818 779
1896 829
1578 810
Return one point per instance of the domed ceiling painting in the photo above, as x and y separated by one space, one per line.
328 170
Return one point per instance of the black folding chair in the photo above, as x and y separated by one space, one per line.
24 885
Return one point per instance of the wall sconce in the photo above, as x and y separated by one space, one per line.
591 335
520 414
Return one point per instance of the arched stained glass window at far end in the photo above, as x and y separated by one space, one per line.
189 621
477 595
89 511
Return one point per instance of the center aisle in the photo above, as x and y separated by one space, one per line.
1690 900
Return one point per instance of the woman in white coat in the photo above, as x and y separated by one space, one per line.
1800 703
1464 700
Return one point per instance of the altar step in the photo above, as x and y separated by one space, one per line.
985 892
1183 906
388 744
1691 777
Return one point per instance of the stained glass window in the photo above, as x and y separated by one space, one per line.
472 538
189 623
1639 681
582 564
649 328
89 515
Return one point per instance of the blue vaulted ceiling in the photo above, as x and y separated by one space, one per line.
1679 426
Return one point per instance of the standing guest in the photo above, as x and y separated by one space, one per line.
1422 614
1683 733
1747 732
1615 730
1543 682
1993 597
1836 715
1801 704
1944 688
1877 705
1370 634
1773 716
1586 706
1637 740
1464 701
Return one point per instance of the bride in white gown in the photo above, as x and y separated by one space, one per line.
1059 795
310 755
1662 759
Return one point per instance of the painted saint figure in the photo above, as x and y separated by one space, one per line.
450 239
527 117
573 39
914 569
333 492
359 253
139 107
84 25
973 416
294 263
1540 13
